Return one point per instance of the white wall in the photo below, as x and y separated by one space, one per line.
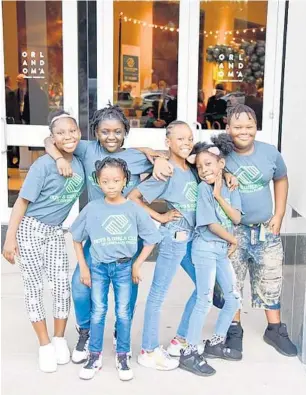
294 110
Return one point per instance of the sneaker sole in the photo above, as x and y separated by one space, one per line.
156 367
196 372
90 378
79 362
268 341
211 356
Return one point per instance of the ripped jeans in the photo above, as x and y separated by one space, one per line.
211 263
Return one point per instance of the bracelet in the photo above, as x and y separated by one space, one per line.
61 157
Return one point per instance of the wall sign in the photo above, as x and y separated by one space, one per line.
33 63
130 68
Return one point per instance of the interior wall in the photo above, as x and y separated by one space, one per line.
10 40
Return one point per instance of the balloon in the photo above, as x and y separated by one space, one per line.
244 45
255 66
253 58
247 72
250 80
257 74
216 52
262 67
250 49
260 51
229 50
209 50
261 43
262 59
209 58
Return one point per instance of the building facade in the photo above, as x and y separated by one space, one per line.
159 60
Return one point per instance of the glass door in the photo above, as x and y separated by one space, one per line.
236 57
39 66
142 64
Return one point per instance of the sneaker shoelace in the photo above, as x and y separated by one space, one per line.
123 362
83 337
164 352
91 361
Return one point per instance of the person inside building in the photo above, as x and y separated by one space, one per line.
260 251
35 238
255 102
110 128
216 108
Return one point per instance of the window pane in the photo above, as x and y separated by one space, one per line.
231 59
146 61
33 57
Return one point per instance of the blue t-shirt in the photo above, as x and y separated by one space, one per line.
179 191
209 210
254 173
51 195
91 151
113 229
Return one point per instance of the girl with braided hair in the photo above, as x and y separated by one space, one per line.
113 225
110 127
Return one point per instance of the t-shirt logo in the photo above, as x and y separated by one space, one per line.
191 191
250 179
74 184
117 224
225 221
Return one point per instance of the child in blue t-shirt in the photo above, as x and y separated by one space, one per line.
36 240
217 209
113 225
177 226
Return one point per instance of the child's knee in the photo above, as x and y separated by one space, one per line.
98 313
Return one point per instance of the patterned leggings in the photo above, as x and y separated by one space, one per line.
42 248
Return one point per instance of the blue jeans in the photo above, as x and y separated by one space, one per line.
81 293
211 262
172 254
102 274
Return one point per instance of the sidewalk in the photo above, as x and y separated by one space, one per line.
262 371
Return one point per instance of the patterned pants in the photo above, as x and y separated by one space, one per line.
42 249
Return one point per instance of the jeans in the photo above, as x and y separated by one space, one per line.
81 293
120 275
172 254
211 263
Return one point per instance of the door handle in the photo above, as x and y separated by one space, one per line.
3 137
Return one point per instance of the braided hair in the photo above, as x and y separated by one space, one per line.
222 141
110 112
173 124
239 109
111 162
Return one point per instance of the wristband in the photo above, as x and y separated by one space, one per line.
61 157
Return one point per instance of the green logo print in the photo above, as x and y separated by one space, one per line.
117 224
250 179
72 190
225 221
191 191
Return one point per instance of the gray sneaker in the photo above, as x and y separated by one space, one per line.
195 363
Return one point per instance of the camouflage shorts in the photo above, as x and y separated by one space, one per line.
264 261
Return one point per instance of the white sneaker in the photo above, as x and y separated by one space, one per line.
61 350
124 367
80 351
158 359
91 366
47 358
175 347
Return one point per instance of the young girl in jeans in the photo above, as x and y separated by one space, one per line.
35 237
217 209
177 226
113 225
110 127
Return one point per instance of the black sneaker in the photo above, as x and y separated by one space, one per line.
195 363
221 350
80 352
279 339
234 337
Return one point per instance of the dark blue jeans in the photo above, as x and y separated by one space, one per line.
120 275
81 293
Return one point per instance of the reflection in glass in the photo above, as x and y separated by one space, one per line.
33 56
231 59
146 61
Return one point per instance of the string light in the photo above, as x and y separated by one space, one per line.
173 28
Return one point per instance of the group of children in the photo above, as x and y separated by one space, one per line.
214 231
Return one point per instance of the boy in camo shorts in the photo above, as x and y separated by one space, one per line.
256 164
